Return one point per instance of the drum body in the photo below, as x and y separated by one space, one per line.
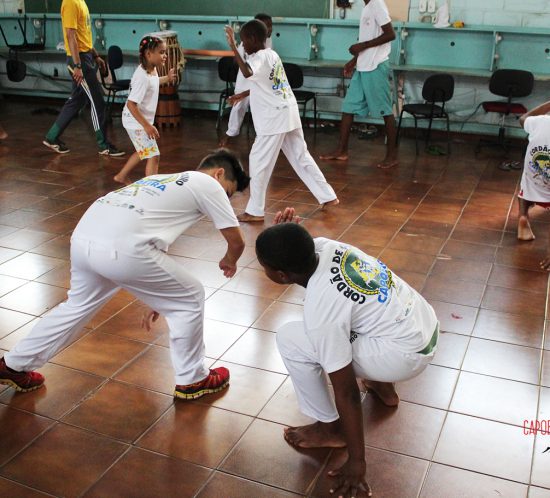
169 109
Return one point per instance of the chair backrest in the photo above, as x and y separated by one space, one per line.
114 57
294 75
511 83
438 88
228 69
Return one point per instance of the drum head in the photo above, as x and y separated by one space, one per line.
163 34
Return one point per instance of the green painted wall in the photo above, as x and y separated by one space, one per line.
276 8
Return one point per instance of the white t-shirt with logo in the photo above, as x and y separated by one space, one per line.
535 182
144 91
352 295
155 211
374 15
272 102
241 84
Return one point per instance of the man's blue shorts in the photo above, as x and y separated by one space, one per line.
369 93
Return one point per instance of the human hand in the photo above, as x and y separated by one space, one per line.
152 132
349 68
288 215
229 269
350 479
236 98
148 319
102 67
78 75
230 35
172 75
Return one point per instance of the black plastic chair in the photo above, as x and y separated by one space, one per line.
227 71
115 60
295 78
436 91
509 83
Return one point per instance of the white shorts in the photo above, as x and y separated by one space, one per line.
145 146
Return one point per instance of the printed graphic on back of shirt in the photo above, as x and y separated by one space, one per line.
540 164
280 81
357 277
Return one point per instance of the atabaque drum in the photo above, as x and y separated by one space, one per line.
169 109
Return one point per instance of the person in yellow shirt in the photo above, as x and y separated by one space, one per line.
84 62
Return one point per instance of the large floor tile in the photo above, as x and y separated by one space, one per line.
33 298
79 454
278 314
455 317
487 447
197 433
15 490
232 307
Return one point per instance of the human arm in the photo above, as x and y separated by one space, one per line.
243 66
151 130
350 477
78 75
169 78
286 216
388 35
537 111
235 247
148 318
349 67
238 97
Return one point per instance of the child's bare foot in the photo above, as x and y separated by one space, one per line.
121 179
249 218
524 229
385 391
3 134
388 163
339 155
328 204
317 435
224 141
545 263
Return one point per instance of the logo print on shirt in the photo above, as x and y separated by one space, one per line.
280 81
540 164
357 278
157 182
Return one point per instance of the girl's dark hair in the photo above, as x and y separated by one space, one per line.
147 43
234 172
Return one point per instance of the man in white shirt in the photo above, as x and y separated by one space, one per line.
240 99
535 181
360 320
121 242
369 92
276 120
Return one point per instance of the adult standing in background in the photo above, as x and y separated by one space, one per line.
84 61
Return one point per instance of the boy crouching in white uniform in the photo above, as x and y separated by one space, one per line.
360 320
121 242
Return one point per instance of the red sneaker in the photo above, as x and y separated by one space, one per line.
217 379
20 381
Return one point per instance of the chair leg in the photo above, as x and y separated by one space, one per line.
448 135
315 113
399 128
429 134
416 133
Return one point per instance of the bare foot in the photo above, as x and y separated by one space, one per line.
385 391
121 179
3 134
545 263
328 204
249 218
224 141
388 163
339 155
317 435
524 229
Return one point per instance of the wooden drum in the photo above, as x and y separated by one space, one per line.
169 109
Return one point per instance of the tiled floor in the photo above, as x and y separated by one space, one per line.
106 425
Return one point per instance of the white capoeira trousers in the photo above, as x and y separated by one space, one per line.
238 110
373 359
263 156
97 273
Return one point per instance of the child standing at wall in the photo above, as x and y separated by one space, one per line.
277 122
240 99
138 115
535 181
